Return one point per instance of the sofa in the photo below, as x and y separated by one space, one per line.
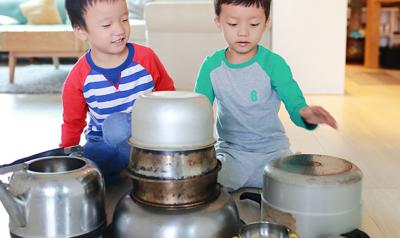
11 8
183 33
20 38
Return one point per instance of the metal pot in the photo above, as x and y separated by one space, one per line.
265 230
172 164
57 196
186 192
172 120
314 195
217 219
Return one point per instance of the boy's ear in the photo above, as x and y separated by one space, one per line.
217 22
266 25
80 33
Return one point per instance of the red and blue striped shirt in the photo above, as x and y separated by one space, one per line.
98 92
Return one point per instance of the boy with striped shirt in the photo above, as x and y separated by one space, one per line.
105 82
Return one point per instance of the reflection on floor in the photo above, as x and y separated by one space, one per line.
368 135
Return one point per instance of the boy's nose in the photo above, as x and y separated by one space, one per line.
243 31
119 29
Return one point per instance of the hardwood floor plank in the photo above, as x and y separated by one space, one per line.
383 207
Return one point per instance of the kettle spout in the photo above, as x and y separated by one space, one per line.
12 206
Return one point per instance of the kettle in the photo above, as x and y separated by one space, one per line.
54 196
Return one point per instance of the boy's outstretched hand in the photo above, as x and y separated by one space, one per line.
318 115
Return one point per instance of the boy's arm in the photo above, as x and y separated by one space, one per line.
74 110
289 92
148 59
203 83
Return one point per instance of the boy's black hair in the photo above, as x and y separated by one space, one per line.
76 10
265 4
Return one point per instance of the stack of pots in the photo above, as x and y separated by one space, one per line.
174 170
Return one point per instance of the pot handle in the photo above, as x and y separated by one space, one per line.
76 150
12 168
255 197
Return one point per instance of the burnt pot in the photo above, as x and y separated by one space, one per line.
187 192
314 195
172 164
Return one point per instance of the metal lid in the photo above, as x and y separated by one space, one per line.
313 169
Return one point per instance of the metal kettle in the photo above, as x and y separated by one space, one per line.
55 196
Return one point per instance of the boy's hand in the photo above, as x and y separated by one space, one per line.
318 115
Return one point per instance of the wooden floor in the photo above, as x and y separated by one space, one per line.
369 135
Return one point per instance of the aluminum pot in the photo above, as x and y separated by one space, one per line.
172 120
56 196
216 219
314 195
172 164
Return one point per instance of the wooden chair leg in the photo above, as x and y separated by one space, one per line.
56 62
11 65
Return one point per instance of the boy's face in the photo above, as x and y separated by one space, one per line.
243 28
107 27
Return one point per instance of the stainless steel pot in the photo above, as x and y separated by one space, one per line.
314 195
265 230
172 164
172 120
217 219
58 196
171 193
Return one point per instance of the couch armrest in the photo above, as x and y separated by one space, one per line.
180 16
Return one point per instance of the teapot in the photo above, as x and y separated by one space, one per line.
54 196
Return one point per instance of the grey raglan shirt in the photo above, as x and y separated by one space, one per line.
248 98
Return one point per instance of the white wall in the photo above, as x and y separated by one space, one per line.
311 36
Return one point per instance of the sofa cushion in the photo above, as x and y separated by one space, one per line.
41 12
11 8
6 20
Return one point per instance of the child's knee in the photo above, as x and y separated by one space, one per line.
117 128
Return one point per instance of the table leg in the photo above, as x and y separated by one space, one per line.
11 65
56 62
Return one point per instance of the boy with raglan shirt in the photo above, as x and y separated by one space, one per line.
105 82
248 83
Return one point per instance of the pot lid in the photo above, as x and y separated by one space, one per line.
313 169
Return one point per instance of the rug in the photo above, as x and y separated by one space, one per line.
34 79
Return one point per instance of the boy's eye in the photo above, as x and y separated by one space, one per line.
125 20
232 24
106 25
255 24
